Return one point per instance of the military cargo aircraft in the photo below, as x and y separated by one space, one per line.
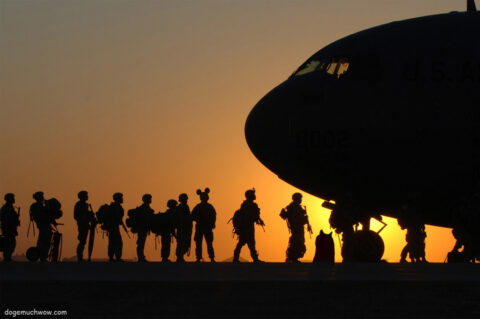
379 122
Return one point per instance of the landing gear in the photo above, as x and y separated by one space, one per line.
363 246
358 245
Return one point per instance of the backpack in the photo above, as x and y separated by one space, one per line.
54 208
238 221
131 220
104 216
241 219
161 224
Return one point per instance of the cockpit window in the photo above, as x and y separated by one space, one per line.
336 67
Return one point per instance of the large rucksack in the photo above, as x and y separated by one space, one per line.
53 207
242 219
161 224
104 216
132 220
238 221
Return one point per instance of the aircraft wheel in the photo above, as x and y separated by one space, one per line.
33 254
363 246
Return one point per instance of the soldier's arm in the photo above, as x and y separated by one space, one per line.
75 212
214 216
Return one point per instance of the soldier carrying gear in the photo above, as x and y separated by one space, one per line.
85 218
415 237
9 220
112 226
205 217
244 222
143 215
39 213
167 229
296 217
183 223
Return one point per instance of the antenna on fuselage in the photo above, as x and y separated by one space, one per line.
471 7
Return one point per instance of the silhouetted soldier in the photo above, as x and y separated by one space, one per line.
244 222
9 220
415 246
85 217
40 215
168 229
205 217
183 224
297 218
115 243
410 219
143 216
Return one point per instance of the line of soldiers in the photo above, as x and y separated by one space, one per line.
176 221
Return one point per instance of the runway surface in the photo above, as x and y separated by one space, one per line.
245 290
220 272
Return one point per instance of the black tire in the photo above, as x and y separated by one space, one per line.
33 254
363 246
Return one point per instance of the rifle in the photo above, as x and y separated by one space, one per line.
30 223
18 215
309 227
125 228
93 229
261 223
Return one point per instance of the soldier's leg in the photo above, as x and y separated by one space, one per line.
44 239
9 247
111 245
238 248
167 247
251 246
289 253
141 238
181 244
82 240
198 243
119 246
302 248
111 251
209 240
165 252
40 243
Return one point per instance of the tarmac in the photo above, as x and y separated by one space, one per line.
191 290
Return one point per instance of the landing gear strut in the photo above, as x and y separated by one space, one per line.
358 245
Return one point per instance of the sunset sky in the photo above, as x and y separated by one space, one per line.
152 97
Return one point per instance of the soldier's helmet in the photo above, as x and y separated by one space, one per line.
182 198
118 197
250 194
172 203
82 195
297 197
38 196
147 198
204 195
9 198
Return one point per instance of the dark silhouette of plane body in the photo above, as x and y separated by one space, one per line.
381 115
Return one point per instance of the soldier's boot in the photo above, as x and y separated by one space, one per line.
255 258
79 252
236 253
180 259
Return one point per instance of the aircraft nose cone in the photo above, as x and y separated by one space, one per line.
265 128
270 124
256 128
